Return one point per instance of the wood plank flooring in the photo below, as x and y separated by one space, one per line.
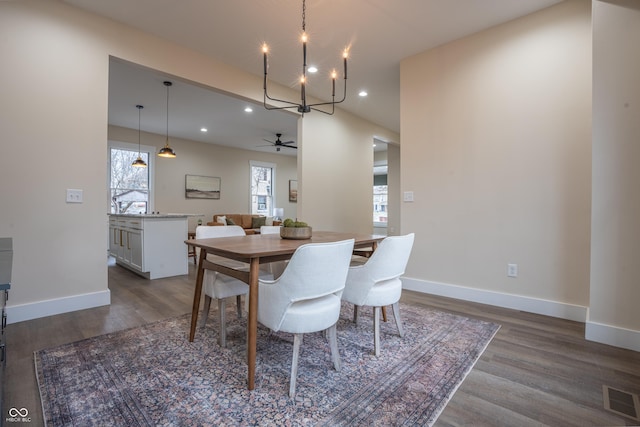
537 370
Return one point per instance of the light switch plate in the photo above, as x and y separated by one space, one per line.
74 196
408 196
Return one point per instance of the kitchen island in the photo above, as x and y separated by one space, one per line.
151 245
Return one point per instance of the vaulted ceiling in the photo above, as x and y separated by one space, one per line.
379 34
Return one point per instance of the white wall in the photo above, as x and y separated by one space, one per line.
614 317
333 160
393 189
496 147
54 114
197 158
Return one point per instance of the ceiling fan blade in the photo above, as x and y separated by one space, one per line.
271 142
289 142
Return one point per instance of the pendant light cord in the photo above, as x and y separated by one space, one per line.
167 84
139 107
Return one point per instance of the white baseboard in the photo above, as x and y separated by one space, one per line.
22 312
517 302
612 335
604 334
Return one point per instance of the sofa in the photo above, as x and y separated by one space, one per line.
250 223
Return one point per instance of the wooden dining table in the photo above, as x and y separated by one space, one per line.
255 250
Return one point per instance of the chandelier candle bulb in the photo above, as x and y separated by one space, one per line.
265 49
333 83
345 55
304 51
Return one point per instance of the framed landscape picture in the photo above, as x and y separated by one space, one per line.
202 187
293 190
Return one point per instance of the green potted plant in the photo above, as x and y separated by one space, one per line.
296 230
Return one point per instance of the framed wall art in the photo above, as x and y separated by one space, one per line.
202 187
293 190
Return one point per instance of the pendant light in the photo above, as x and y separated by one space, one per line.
166 151
139 163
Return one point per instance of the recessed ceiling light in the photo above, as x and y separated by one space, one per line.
248 110
312 69
203 129
363 93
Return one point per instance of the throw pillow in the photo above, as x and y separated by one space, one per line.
222 219
269 221
230 222
258 222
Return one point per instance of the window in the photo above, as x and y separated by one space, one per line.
380 204
129 188
262 184
380 200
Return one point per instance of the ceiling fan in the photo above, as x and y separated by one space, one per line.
278 144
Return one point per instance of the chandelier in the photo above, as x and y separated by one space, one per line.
303 107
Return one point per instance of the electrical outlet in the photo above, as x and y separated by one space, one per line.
74 196
512 270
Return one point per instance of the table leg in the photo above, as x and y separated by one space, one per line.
197 294
252 322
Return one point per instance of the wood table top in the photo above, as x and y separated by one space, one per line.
270 245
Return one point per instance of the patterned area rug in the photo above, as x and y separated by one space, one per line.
152 376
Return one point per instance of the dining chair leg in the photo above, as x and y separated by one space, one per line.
297 341
355 314
333 343
239 306
396 314
223 325
376 330
205 309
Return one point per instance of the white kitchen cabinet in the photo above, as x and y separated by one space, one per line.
150 245
131 243
135 249
114 237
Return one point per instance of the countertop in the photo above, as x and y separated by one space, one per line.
159 216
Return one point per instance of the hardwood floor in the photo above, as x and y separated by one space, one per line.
536 371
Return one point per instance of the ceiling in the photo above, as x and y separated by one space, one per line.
379 33
192 107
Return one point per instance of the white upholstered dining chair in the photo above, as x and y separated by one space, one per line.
270 229
277 267
220 286
306 297
377 282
